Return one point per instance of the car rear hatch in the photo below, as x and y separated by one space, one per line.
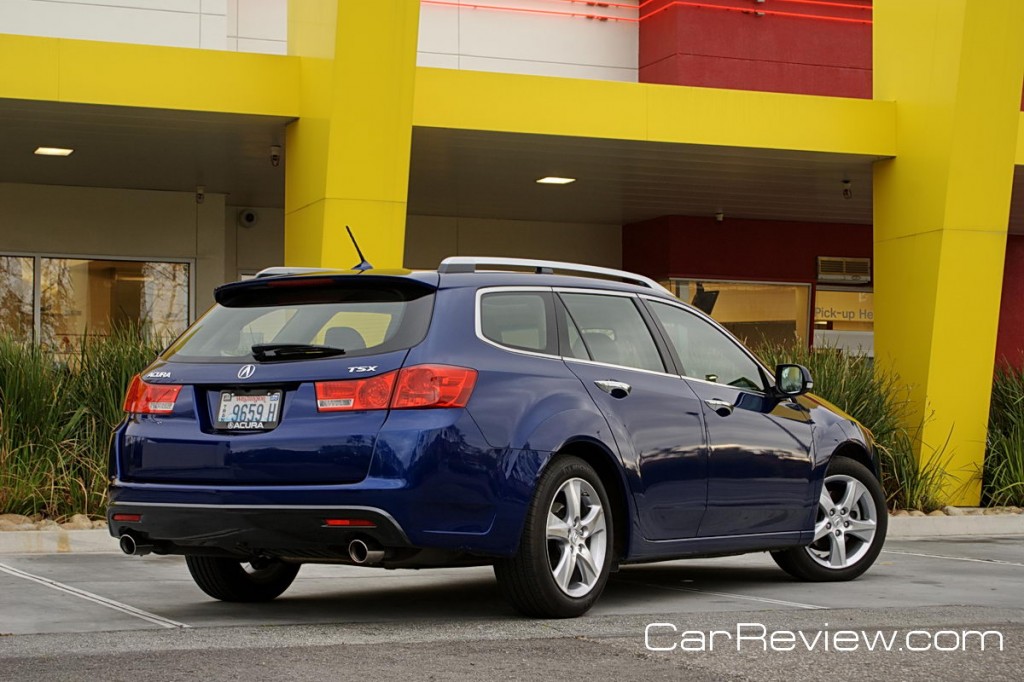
286 381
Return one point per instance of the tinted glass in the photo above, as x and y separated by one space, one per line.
518 320
613 330
705 352
374 322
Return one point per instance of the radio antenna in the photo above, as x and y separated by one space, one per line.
363 264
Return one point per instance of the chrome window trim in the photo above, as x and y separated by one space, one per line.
478 324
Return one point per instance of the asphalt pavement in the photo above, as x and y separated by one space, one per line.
106 616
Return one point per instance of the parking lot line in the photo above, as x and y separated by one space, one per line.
94 598
954 558
731 595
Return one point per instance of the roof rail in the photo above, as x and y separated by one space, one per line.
455 264
281 270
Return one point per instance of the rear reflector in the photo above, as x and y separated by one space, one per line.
419 386
143 398
349 523
127 518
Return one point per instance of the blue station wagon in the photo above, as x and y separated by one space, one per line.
553 420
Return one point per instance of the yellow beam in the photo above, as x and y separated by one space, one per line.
659 113
116 74
1019 158
941 209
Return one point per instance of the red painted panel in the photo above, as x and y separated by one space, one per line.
1010 341
684 45
736 249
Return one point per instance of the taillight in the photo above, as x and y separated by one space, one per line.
143 398
420 386
373 393
433 386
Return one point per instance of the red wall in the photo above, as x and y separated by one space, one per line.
1010 342
711 45
736 249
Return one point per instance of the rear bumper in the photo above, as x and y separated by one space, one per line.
246 530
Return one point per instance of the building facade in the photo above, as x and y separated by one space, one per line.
840 172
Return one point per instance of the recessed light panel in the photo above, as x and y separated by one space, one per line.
53 151
553 180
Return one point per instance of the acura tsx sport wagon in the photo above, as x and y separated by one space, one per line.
492 412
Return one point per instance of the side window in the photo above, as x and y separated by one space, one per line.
519 319
707 353
613 331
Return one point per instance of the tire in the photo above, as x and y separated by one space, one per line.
229 580
563 566
850 527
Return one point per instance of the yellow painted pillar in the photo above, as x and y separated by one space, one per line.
941 208
347 157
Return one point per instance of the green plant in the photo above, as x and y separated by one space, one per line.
56 415
876 397
1003 478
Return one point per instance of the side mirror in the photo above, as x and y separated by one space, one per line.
793 380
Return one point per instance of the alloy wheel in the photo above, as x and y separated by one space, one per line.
845 527
577 537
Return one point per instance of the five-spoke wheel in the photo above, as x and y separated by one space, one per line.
565 555
849 528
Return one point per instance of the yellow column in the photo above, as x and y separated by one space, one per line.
941 208
347 157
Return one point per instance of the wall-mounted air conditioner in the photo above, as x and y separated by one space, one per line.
846 270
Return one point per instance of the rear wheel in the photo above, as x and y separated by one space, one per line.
230 580
566 551
849 529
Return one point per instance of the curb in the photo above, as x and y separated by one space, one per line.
99 541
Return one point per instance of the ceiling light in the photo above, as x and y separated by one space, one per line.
53 151
554 180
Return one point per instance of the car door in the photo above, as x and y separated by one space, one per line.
760 459
654 417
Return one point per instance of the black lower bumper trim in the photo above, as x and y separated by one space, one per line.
253 530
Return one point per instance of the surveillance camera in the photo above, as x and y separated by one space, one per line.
200 194
248 217
275 155
719 216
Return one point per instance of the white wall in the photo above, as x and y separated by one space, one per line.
429 239
537 44
250 249
242 25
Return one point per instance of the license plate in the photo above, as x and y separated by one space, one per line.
249 410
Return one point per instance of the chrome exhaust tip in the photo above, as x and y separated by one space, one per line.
363 554
130 546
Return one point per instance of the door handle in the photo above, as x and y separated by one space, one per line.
616 389
723 408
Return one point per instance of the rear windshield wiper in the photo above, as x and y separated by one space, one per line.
280 351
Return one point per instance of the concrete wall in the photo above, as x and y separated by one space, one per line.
242 25
429 239
250 249
543 42
97 222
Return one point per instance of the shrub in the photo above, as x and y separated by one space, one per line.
1003 479
56 416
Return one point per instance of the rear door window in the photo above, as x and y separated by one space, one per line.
612 331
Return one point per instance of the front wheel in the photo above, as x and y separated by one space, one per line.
849 529
565 554
230 580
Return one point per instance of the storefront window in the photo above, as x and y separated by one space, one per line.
756 313
79 297
845 320
16 283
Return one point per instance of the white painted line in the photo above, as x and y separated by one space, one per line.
94 598
954 558
731 595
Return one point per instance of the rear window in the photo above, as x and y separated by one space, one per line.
361 319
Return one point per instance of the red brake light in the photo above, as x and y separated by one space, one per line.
373 393
349 523
143 398
419 386
433 386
